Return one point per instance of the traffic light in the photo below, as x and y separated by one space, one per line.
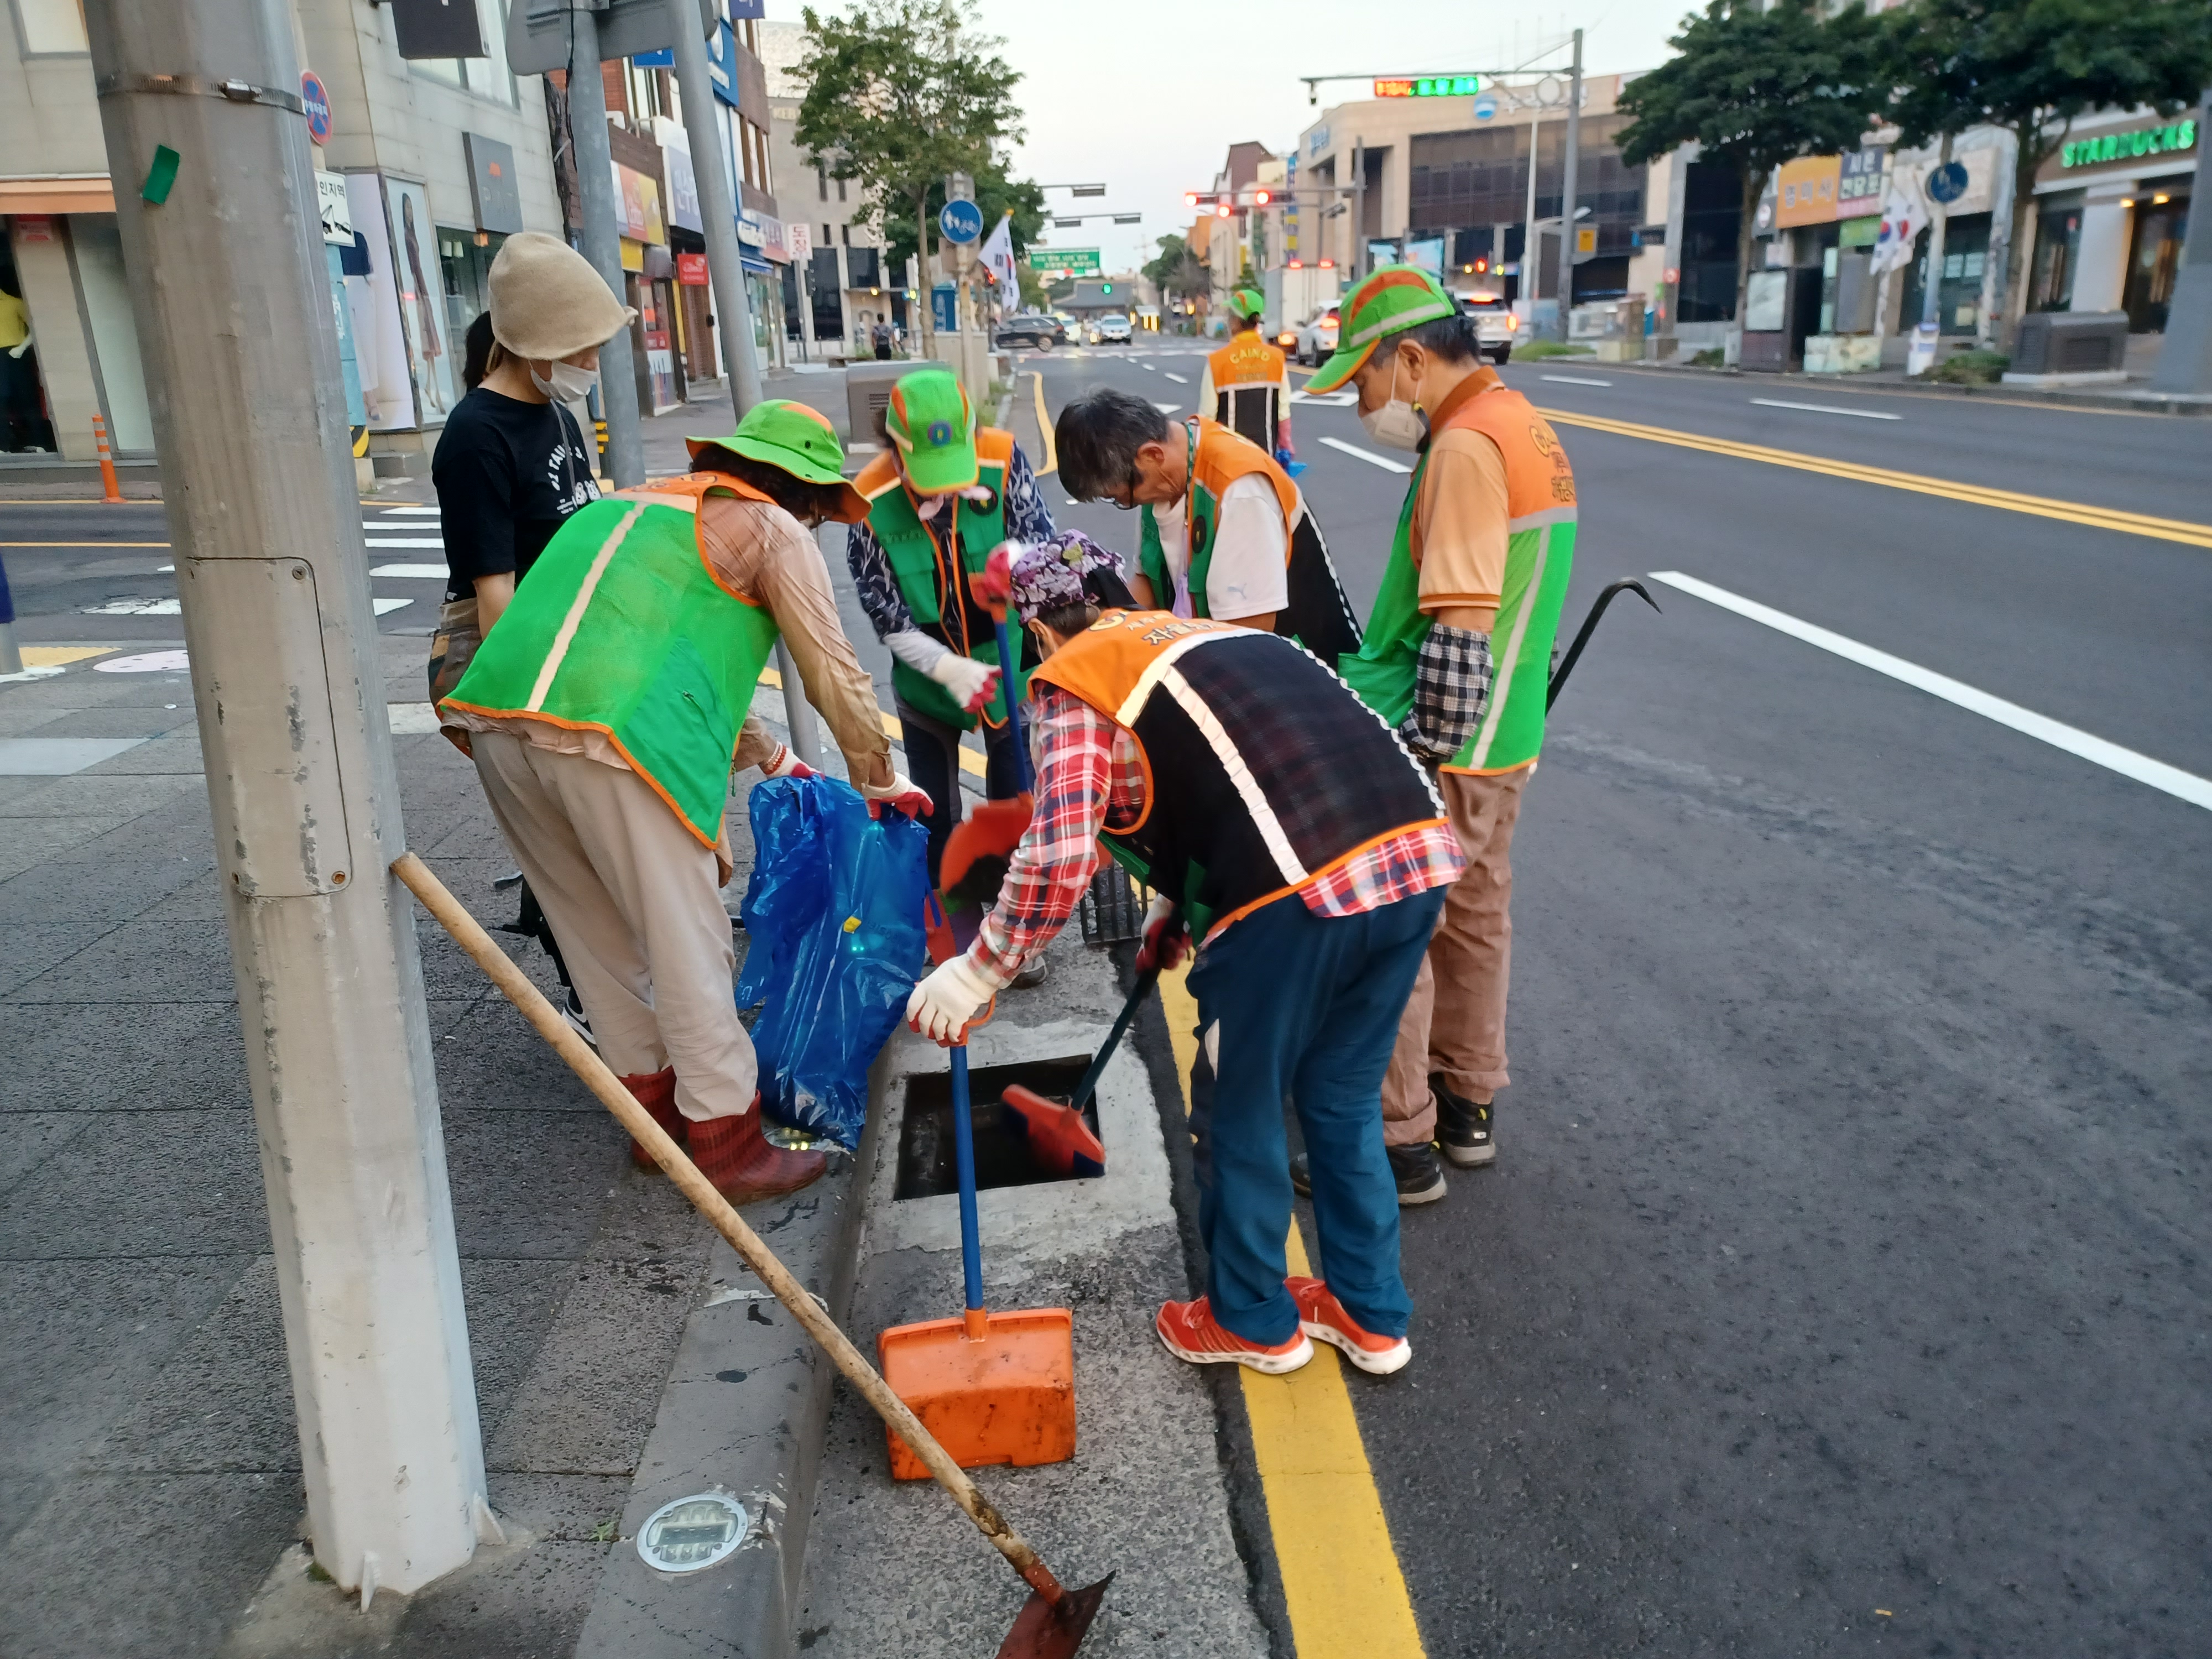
1106 288
1190 199
1221 211
1260 199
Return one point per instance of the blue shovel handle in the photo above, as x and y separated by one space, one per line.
963 1156
1014 704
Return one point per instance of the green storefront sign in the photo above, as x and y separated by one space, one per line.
2126 146
1065 261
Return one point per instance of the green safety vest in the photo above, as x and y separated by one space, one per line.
918 567
1540 556
622 629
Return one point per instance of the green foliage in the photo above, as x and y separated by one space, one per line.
1971 369
901 93
1535 351
995 194
1177 269
1711 358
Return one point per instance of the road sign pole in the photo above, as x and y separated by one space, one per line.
2184 362
595 187
1532 256
1568 190
718 209
231 301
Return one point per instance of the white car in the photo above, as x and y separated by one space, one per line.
1317 335
1112 329
1495 325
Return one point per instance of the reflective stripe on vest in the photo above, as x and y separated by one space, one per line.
624 629
1262 771
1540 526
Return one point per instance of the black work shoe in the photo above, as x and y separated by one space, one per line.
1462 1127
573 1012
1421 1178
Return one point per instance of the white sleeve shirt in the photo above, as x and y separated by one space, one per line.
1249 573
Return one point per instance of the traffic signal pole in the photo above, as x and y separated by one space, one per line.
595 191
1568 232
718 207
216 204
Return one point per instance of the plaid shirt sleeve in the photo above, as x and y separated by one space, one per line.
1451 688
1058 853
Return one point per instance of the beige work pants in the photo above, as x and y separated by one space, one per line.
1455 1021
636 904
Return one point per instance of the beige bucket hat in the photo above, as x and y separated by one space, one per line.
547 301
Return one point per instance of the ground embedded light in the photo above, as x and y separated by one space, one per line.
692 1532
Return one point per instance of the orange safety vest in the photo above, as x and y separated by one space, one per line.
1249 384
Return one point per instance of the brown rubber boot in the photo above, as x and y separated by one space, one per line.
744 1167
656 1092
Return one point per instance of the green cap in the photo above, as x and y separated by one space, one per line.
1393 300
794 439
1245 303
929 419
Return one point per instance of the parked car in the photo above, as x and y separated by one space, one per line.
1495 325
1034 329
1317 335
1112 329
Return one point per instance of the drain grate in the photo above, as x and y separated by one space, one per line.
926 1166
1113 908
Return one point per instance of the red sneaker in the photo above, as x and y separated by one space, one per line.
656 1092
1190 1331
743 1164
1322 1317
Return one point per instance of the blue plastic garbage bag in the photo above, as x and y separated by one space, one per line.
833 912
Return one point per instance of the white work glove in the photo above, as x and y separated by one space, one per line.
899 794
1166 938
942 1003
785 764
972 684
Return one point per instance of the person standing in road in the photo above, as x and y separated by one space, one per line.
1247 384
1226 533
1230 771
1457 655
941 496
606 713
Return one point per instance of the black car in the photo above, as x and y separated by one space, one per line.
1036 330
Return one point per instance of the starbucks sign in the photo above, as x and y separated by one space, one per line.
2109 147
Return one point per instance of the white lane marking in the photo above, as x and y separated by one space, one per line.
1367 455
412 719
58 757
406 541
175 608
1167 409
1578 380
1148 368
1331 399
416 512
2184 786
1819 409
163 569
1177 378
384 605
411 572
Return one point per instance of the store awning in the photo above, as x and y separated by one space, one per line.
90 193
754 263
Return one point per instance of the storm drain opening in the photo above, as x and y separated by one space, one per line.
1003 1158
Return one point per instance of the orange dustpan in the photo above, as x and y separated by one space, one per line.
993 1388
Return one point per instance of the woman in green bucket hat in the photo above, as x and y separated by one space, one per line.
606 711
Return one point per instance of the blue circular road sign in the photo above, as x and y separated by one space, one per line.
1485 108
1949 182
961 221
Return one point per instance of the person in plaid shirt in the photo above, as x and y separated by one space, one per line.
1286 826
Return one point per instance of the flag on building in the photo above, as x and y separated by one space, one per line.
998 255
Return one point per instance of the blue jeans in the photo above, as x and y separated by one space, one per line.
1292 1002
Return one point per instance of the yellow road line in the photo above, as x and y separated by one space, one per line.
58 656
969 761
1342 1585
1044 426
2041 506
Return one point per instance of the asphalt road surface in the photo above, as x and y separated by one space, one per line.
1841 1284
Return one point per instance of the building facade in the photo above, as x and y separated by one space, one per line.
2111 210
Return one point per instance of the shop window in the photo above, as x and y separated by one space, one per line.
96 253
25 427
51 29
2154 256
1958 287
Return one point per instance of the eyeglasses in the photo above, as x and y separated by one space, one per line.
1126 499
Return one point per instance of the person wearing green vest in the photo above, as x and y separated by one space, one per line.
605 714
942 496
1458 656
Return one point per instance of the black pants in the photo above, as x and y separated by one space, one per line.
932 761
882 353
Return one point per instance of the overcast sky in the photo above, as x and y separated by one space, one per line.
1147 96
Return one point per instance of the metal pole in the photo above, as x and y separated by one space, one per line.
595 185
1358 214
718 208
798 713
1568 190
1532 257
231 303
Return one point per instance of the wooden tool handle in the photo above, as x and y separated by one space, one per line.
469 935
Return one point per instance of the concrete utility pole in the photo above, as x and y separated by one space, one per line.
595 185
2184 362
1568 234
1931 290
1358 214
1532 255
718 199
215 203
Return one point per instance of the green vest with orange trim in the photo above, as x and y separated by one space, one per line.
1540 558
624 629
923 568
1315 614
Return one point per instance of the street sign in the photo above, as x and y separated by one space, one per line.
961 221
1947 183
316 100
1428 86
1057 262
1485 108
537 31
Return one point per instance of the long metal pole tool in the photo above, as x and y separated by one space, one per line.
1052 1624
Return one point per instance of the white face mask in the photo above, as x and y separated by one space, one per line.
1395 423
569 384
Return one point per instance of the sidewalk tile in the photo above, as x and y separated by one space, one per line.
29 1139
32 841
33 948
523 1188
193 1180
84 795
63 1057
140 961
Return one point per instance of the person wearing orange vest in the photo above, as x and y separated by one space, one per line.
1458 656
1247 384
606 713
1225 534
1284 827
